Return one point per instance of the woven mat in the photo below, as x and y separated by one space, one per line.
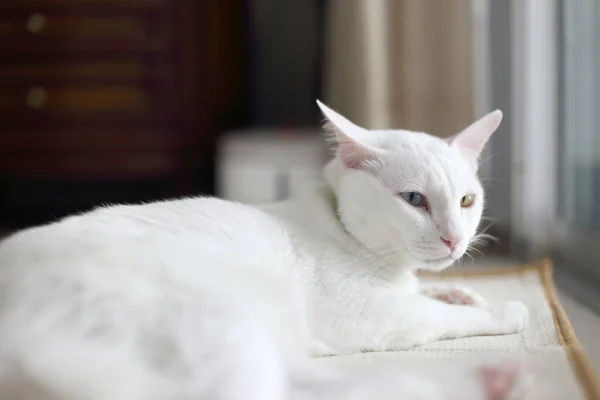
563 370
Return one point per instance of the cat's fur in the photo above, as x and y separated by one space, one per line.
208 299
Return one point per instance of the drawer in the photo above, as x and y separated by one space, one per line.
88 140
89 151
92 103
81 5
64 69
89 166
51 32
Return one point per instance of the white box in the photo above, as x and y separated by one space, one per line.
259 166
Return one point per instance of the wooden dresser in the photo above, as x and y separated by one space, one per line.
113 93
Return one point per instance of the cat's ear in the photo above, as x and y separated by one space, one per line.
473 139
347 136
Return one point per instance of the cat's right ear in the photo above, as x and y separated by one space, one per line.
350 151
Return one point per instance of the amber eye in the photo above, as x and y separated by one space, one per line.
467 200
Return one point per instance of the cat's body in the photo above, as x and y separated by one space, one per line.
208 299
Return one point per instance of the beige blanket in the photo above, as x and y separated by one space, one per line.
562 368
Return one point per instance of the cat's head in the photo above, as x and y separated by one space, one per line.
408 194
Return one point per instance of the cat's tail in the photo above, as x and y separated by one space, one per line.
457 378
184 346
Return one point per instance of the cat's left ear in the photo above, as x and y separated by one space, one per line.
473 139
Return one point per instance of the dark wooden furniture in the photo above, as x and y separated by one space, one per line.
112 93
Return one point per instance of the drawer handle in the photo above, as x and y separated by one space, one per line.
36 97
36 23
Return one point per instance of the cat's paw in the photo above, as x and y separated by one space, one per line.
508 380
455 295
509 317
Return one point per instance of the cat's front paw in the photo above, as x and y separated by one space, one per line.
509 317
455 295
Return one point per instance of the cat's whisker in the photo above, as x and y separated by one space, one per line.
488 178
477 250
471 257
491 156
486 218
486 228
485 240
482 242
486 236
483 234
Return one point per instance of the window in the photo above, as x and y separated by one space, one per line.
555 138
578 192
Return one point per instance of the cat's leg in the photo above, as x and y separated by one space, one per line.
388 322
454 294
422 319
459 378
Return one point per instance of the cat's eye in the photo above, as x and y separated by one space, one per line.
415 199
467 200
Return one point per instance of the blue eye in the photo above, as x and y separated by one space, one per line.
415 199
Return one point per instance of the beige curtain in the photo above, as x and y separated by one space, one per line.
401 63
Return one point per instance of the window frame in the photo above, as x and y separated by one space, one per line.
534 96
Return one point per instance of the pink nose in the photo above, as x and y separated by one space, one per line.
451 241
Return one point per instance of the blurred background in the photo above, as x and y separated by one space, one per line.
105 101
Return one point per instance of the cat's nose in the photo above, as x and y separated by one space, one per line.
451 241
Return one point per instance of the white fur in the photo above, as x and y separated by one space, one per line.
208 299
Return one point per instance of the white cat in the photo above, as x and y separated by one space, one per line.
208 299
